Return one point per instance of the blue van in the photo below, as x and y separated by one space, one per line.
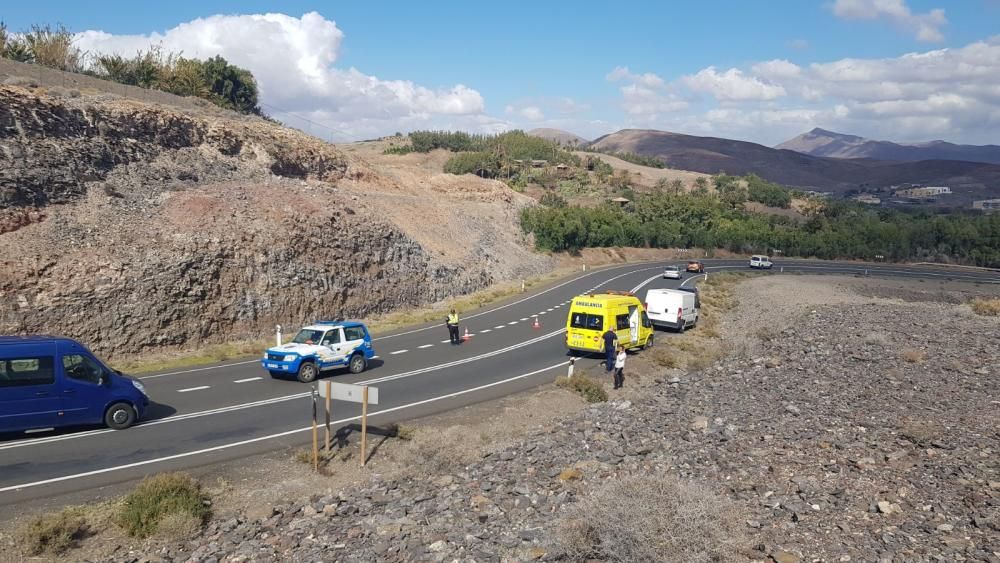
49 381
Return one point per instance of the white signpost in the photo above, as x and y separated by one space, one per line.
349 393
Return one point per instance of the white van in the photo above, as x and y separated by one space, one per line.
672 308
757 261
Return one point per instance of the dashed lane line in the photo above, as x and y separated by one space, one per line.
425 346
189 389
398 352
247 380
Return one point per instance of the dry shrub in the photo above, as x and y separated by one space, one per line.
403 432
920 432
913 356
157 497
53 534
665 358
442 450
178 526
653 518
988 307
570 474
584 386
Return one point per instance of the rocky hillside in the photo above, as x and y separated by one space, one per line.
134 226
820 142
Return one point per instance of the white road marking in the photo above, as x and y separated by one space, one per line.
247 380
269 437
199 369
376 357
403 351
550 309
199 388
542 312
485 330
524 319
498 327
512 323
425 346
446 342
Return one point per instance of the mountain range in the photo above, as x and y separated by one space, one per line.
841 176
820 142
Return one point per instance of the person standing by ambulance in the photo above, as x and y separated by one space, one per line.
610 343
620 367
452 323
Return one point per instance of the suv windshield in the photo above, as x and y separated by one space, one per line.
306 336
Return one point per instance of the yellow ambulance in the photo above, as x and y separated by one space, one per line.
591 315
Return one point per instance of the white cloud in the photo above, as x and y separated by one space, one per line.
531 113
732 85
926 27
293 60
648 80
944 93
645 94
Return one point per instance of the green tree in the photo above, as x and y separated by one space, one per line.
235 87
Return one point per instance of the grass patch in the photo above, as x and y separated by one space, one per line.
570 474
913 356
173 495
403 432
664 357
986 306
204 355
53 534
653 518
582 385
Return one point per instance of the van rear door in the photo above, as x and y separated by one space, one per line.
29 396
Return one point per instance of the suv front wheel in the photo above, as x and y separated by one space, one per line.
307 372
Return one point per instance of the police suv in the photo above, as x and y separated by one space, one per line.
324 345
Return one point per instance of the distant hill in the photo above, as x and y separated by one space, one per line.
820 142
710 155
558 135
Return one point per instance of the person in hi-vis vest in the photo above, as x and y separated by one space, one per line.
452 323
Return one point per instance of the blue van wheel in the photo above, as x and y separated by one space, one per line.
119 416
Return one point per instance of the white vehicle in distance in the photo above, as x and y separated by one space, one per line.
671 273
760 261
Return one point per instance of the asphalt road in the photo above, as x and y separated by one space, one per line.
232 410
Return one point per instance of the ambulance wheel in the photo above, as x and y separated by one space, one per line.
649 343
307 372
119 416
681 327
357 364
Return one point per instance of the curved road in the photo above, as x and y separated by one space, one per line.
231 410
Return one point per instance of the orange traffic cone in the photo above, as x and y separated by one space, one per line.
466 336
536 324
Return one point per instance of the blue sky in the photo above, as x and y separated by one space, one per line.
754 70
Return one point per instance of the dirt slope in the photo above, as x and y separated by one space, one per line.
135 226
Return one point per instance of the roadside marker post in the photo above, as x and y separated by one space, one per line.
569 370
364 425
327 417
315 450
277 329
522 286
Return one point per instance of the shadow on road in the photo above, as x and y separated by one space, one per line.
154 411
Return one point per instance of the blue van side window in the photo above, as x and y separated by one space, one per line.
82 368
18 372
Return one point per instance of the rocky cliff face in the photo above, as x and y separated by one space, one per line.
135 227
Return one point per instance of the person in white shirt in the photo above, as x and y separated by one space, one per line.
620 368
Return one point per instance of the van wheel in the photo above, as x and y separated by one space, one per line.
649 343
119 416
357 364
681 327
307 372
